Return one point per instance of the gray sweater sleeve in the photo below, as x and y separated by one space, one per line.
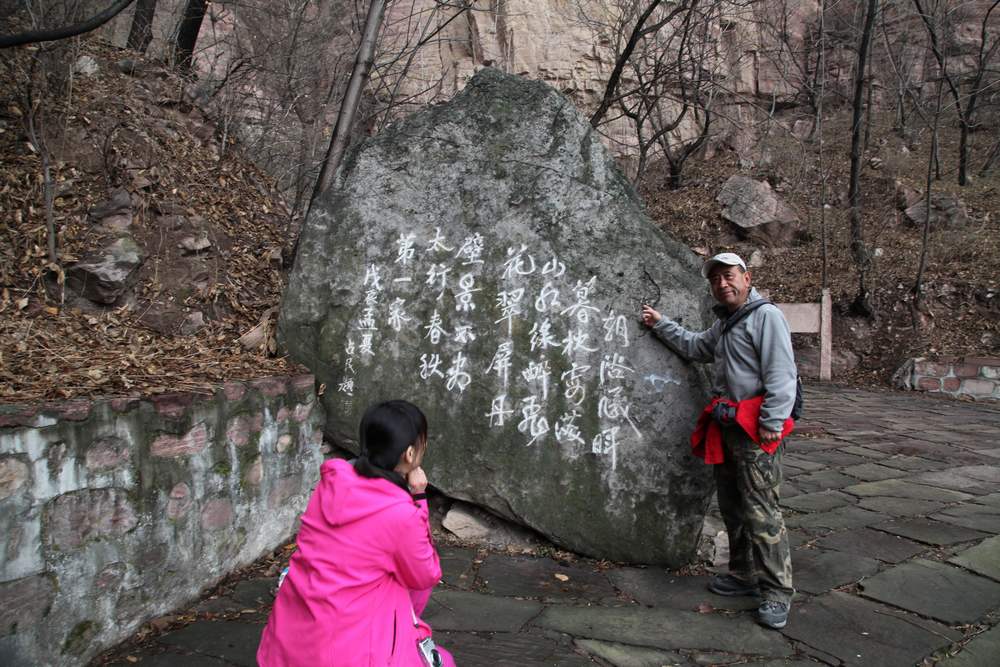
692 345
777 367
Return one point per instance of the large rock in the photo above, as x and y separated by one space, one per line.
755 209
947 212
487 260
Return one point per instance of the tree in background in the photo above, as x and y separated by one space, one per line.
141 32
966 85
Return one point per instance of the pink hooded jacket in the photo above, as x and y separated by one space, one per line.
364 545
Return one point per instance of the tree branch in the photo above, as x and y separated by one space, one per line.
35 36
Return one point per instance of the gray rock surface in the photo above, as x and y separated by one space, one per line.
947 212
486 259
756 210
105 276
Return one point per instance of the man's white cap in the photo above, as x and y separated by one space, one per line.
727 258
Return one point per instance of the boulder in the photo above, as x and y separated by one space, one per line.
947 212
105 276
758 213
115 213
487 260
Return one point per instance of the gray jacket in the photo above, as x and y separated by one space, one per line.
753 358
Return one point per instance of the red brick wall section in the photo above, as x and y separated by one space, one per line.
974 377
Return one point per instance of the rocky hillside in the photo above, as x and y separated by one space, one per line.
169 245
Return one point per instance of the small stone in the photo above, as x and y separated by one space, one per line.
283 444
193 244
13 475
86 66
180 501
193 442
193 323
217 514
107 453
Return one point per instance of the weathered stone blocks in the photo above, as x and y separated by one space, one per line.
108 453
976 377
13 474
217 514
114 511
192 442
76 517
25 602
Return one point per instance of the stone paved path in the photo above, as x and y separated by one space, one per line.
893 507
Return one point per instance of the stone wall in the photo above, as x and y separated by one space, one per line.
976 377
115 511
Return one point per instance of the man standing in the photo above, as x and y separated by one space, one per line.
754 376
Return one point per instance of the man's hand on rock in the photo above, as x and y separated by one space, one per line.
767 437
649 316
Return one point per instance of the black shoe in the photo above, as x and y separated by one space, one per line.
730 586
773 614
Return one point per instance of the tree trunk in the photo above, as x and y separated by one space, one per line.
352 98
141 33
187 32
862 303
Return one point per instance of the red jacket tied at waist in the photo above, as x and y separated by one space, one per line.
706 441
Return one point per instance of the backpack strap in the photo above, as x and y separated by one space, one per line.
738 316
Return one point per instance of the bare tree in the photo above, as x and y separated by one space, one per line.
141 32
65 31
862 302
964 99
187 32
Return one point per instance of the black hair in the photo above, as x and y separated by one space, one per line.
386 430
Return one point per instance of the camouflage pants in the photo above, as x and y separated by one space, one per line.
747 484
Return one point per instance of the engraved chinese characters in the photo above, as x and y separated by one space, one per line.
569 364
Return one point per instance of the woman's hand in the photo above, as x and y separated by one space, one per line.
416 479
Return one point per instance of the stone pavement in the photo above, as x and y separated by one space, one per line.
893 507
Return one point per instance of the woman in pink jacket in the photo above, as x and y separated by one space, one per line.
365 564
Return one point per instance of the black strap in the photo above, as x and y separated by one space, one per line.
736 317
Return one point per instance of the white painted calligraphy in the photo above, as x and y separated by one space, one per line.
434 329
606 442
397 317
554 267
582 308
373 278
548 298
616 326
457 377
574 389
576 340
437 274
614 405
613 367
502 361
509 302
405 249
463 299
430 365
533 422
566 429
542 337
464 334
499 411
437 243
516 264
538 371
471 250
